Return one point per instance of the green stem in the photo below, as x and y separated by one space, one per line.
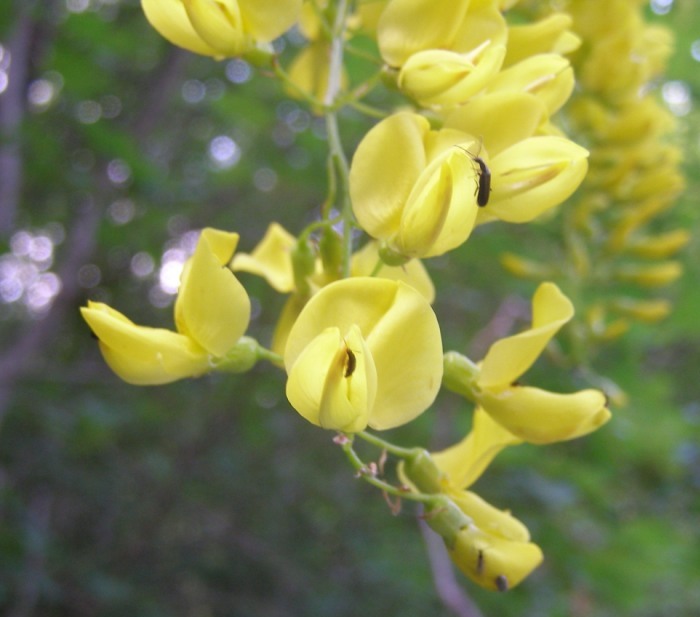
368 110
365 472
377 268
263 353
387 445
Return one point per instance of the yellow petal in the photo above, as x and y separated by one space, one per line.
385 167
483 22
510 357
309 71
440 212
425 212
539 37
494 562
170 19
412 272
443 78
499 119
533 176
491 520
266 20
212 306
141 355
547 76
270 259
408 26
464 462
333 381
287 318
542 417
402 335
220 24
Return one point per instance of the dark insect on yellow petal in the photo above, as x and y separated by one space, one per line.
350 363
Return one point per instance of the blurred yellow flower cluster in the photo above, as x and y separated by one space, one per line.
621 243
471 140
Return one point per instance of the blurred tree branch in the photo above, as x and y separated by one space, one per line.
450 592
35 337
12 110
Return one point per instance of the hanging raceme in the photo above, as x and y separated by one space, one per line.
467 137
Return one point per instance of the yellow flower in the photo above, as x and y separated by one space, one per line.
530 172
658 275
309 71
410 26
551 34
364 352
212 312
438 77
411 189
649 311
532 414
272 259
660 246
463 463
221 27
547 76
495 550
490 546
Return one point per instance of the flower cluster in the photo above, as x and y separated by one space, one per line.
472 141
619 244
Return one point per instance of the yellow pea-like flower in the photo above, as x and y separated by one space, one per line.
500 119
533 176
442 78
408 26
271 259
526 268
649 311
551 34
657 275
547 76
494 551
309 71
488 545
221 28
412 189
364 352
212 313
535 415
463 463
140 355
660 246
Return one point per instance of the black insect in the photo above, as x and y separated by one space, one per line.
350 363
480 563
483 184
502 583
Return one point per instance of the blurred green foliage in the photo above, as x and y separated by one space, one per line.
212 497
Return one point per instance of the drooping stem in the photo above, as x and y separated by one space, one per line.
387 445
368 474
